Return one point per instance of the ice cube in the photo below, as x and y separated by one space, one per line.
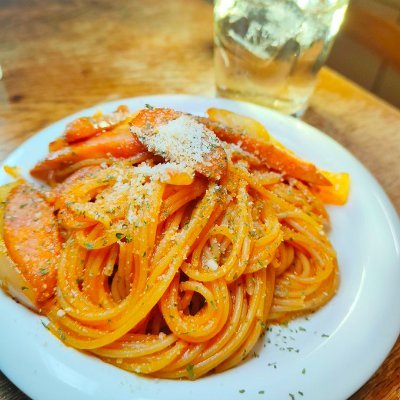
262 28
312 30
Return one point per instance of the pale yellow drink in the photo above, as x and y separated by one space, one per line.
270 51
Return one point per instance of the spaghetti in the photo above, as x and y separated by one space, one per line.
166 269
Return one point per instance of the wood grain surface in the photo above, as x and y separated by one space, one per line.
61 56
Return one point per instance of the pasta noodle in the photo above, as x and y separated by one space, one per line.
177 280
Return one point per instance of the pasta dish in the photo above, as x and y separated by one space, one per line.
166 243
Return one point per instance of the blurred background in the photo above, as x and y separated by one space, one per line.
32 37
367 49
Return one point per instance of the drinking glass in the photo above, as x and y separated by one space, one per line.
270 51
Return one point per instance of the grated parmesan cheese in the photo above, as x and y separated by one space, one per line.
212 264
163 172
182 140
60 313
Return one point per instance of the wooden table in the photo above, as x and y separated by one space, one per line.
59 57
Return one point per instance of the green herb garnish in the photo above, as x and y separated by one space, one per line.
62 334
44 324
128 238
190 371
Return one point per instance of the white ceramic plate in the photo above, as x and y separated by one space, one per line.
327 356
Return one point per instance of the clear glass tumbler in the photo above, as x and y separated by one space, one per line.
270 51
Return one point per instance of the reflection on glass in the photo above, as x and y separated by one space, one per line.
270 51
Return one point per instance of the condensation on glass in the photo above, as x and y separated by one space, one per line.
270 51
